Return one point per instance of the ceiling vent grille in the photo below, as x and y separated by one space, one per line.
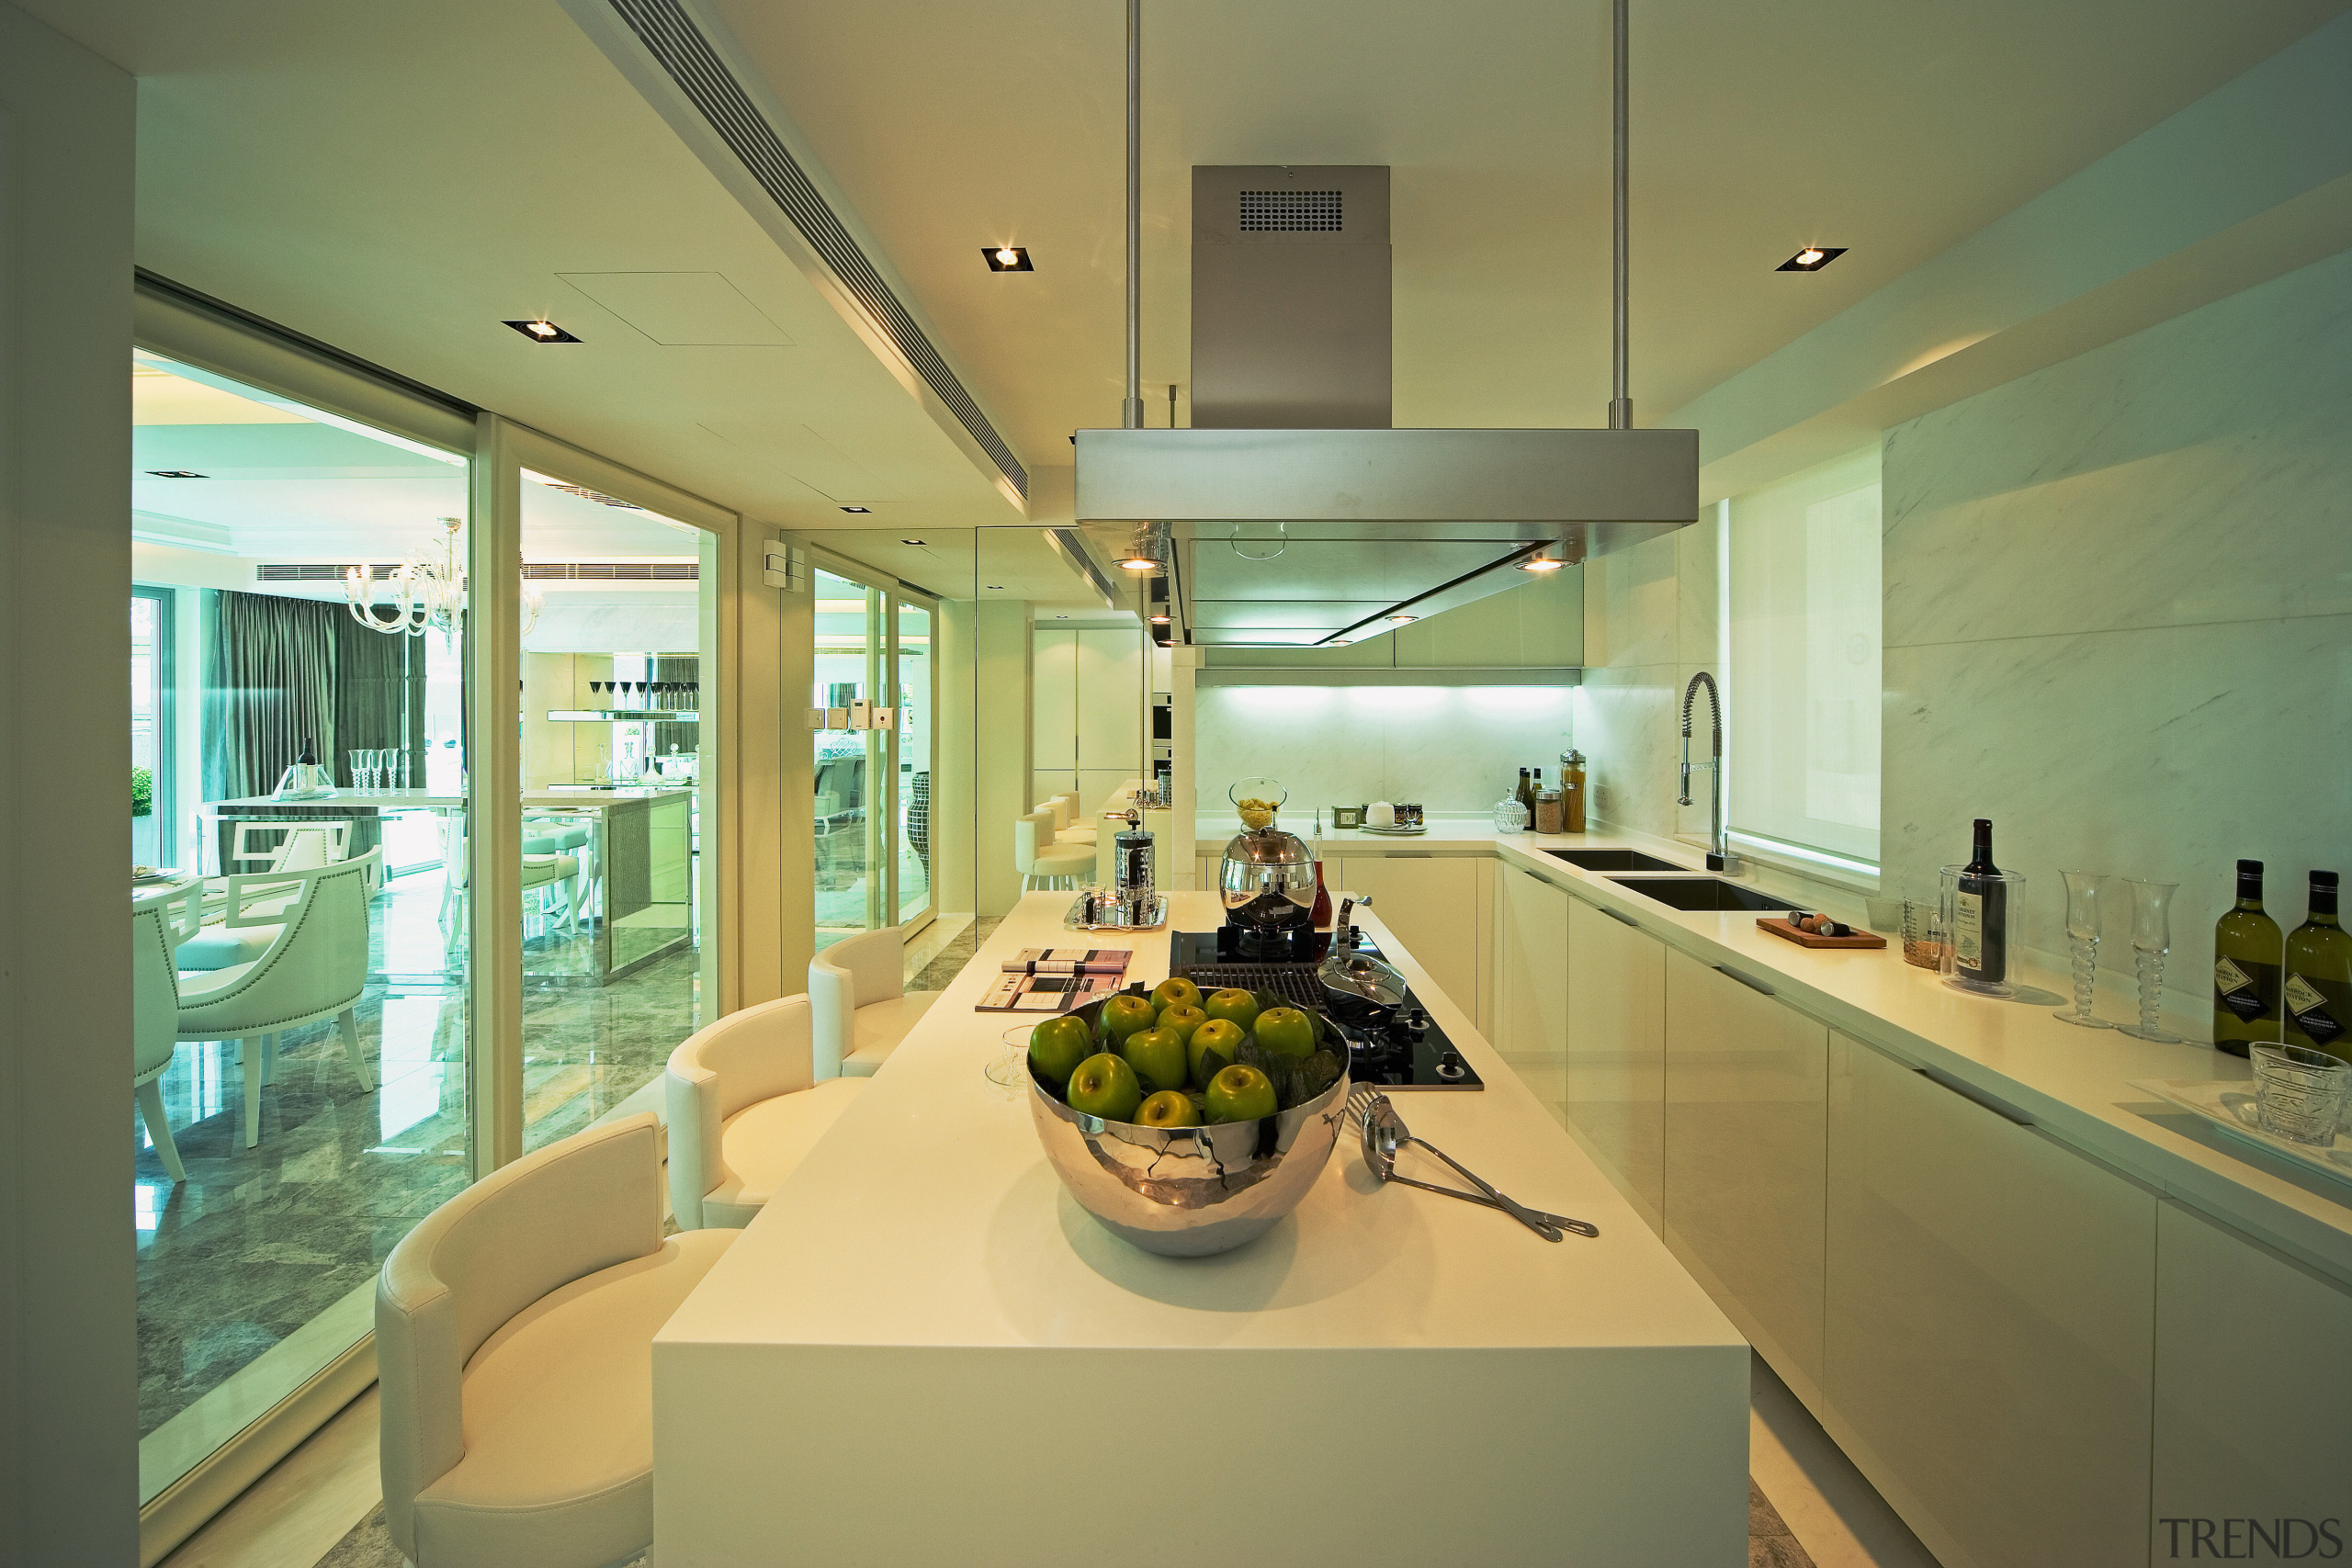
671 36
1290 211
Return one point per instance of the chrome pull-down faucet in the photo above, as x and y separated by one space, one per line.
1719 855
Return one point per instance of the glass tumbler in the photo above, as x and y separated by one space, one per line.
2082 943
2300 1093
1923 935
2151 940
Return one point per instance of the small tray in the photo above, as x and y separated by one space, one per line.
1076 921
1787 932
2228 1103
1394 832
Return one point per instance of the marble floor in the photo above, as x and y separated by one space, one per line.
257 1242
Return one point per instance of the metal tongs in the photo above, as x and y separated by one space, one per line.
1385 1132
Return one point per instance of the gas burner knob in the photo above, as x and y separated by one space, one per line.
1449 1067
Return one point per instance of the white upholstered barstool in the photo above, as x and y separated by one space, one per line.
745 1105
1039 860
515 1342
1067 825
859 1005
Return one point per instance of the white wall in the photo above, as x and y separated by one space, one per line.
1445 748
1650 625
2118 614
69 1360
1086 720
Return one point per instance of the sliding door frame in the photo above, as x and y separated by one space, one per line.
884 594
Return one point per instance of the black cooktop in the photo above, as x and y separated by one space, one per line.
1399 1048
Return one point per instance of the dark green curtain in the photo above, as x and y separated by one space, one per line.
269 685
379 696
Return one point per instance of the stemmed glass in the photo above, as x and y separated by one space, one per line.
2082 940
359 771
2151 940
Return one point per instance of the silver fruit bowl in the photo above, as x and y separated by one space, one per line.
1189 1191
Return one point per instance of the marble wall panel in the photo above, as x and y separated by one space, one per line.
1628 727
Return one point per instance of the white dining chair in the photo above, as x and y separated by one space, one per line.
155 1017
313 967
745 1106
515 1347
1041 860
542 873
859 1005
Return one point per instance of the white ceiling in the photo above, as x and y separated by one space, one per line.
397 179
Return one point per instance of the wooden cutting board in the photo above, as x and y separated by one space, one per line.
1780 928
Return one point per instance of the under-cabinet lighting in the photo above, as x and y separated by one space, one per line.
1542 563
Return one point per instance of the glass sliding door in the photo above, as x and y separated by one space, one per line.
874 756
291 754
613 800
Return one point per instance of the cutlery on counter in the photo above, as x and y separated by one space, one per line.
1385 1132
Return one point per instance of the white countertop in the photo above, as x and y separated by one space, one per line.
929 1216
2076 1084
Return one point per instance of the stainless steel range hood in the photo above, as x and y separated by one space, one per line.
1295 513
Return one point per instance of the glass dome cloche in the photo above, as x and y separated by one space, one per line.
1257 799
1268 879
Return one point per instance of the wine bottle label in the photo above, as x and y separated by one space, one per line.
2233 989
1968 931
2310 1012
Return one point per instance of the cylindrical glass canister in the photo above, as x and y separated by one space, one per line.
1983 930
1551 813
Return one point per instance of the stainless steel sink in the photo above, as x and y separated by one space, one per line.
1700 893
1614 860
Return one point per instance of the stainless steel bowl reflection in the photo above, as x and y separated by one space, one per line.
1189 1191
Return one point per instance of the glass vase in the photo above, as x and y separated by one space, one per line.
2150 941
2083 889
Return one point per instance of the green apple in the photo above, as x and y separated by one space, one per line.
1182 1020
1125 1013
1157 1056
1104 1086
1176 991
1214 1046
1233 1004
1239 1094
1058 1045
1285 1031
1169 1107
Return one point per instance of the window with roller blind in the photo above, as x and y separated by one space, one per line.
1804 615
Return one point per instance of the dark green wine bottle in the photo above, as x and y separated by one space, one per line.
2318 992
2245 969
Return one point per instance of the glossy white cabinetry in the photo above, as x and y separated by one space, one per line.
2252 1399
1529 1026
1746 1113
1432 903
1988 1323
1616 1051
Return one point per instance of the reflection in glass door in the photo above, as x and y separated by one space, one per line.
872 758
846 655
910 741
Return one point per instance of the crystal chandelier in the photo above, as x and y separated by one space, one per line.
427 591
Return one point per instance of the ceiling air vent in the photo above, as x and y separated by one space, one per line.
1290 211
541 571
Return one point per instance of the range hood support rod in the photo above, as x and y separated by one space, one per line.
1131 414
1620 404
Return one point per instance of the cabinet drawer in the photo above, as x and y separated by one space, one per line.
1988 1324
1746 1129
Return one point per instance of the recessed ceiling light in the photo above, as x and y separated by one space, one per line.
1061 617
1812 258
1540 563
861 511
996 587
540 330
177 474
1007 259
1161 619
1400 620
912 541
1139 563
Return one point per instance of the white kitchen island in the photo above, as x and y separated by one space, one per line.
923 1352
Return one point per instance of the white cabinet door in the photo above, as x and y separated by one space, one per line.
1432 903
1616 1051
1110 699
1747 1128
1529 1028
2253 1399
1988 1324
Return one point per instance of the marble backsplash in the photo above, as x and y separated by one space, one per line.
2119 615
1450 748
